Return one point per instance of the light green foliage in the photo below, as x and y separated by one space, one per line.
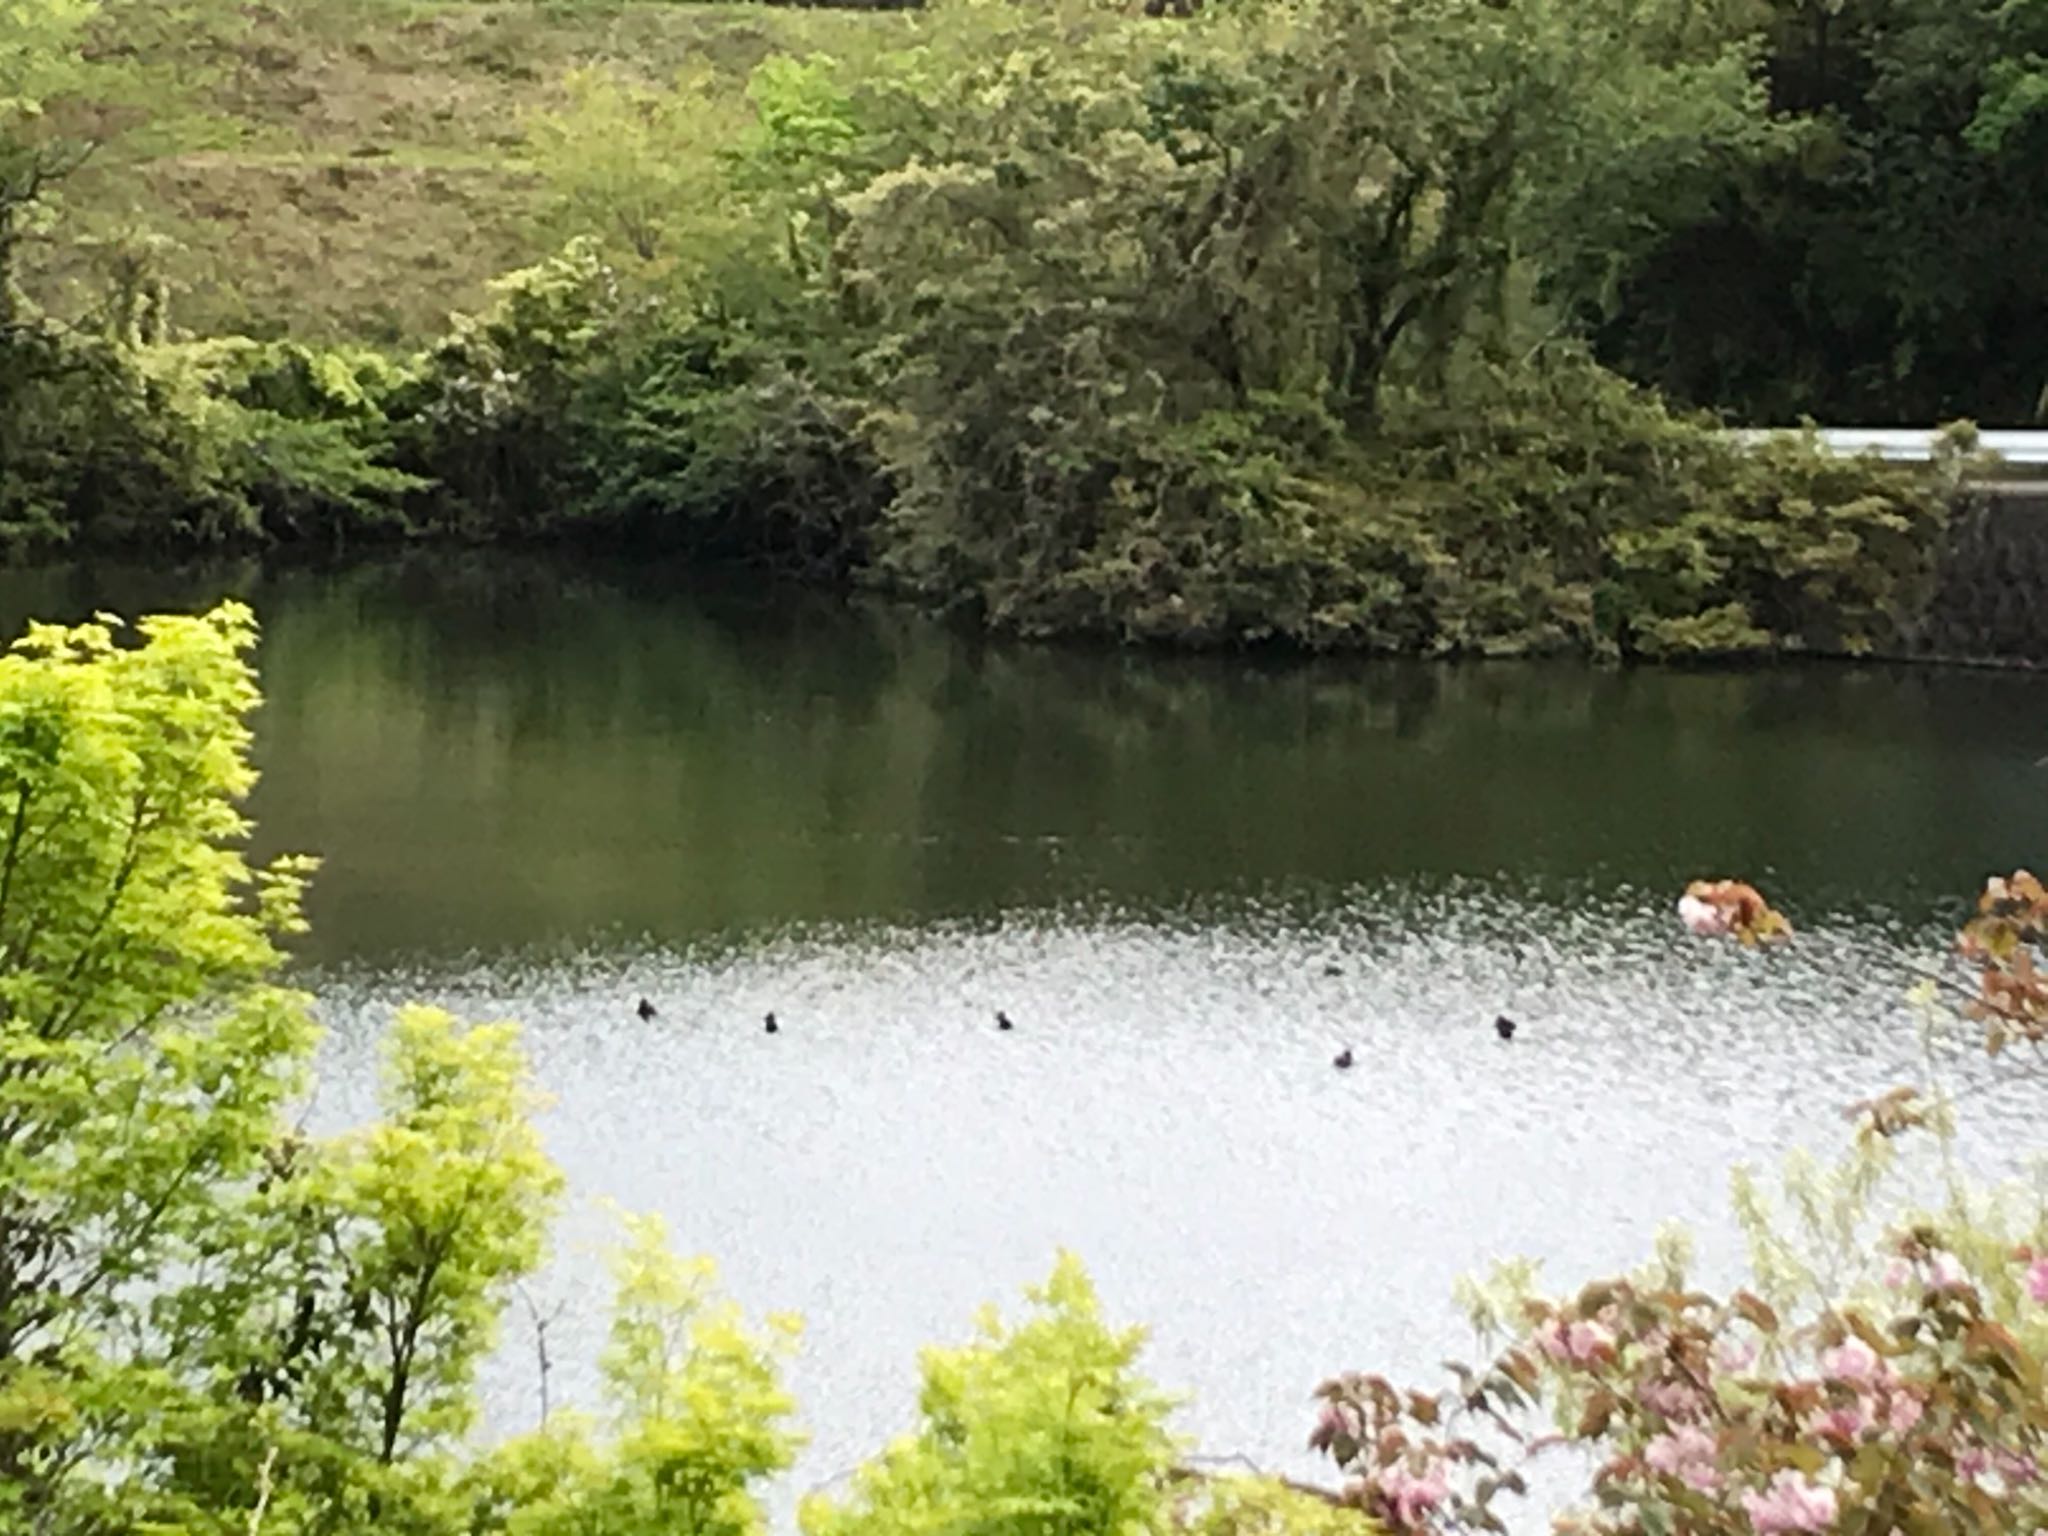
145 1047
1816 1242
349 1297
681 1368
39 59
2012 113
293 440
197 1308
639 167
724 414
550 410
1813 1240
542 321
439 1207
804 118
1043 1429
1817 1238
2013 109
307 438
699 1416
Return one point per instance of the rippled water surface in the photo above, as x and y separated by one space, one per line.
544 794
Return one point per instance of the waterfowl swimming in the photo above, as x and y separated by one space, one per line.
772 1025
646 1010
1504 1027
1343 1061
1003 1020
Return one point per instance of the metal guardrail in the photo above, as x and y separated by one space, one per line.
1915 445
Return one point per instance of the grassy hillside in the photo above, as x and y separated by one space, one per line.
1065 319
354 168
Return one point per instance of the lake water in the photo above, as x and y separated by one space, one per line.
543 791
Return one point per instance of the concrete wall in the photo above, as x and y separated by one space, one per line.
1991 599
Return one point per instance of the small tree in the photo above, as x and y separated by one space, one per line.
351 1296
699 1410
145 1045
1039 1430
199 1311
437 1209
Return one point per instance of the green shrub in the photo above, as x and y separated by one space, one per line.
492 409
1546 506
96 447
1038 1430
711 438
699 1413
1570 510
305 431
181 444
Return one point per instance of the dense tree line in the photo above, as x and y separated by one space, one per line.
1340 322
1888 265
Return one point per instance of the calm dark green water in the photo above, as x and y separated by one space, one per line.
497 754
543 792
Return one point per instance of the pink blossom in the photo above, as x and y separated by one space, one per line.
1845 1422
1735 1355
1409 1495
1588 1340
1946 1272
2037 1280
1902 1412
1896 1274
1335 1421
1791 1503
1672 1399
1852 1360
2015 1469
1579 1342
1686 1453
1703 919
